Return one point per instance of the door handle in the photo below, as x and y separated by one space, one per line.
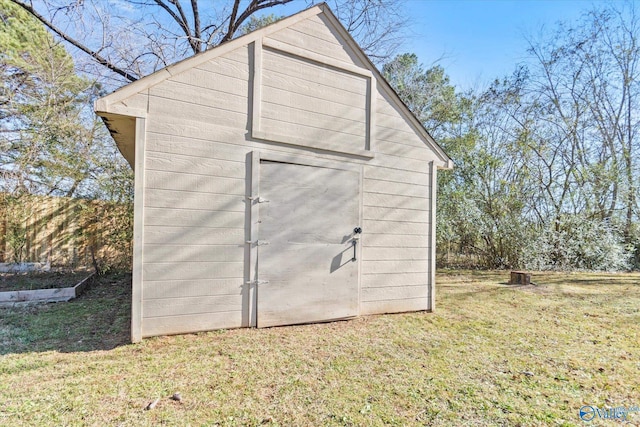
354 243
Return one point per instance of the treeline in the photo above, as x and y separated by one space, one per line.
52 144
547 168
546 160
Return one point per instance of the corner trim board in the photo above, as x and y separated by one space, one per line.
138 232
433 169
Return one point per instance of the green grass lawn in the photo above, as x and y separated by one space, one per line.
490 355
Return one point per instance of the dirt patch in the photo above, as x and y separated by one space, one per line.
40 280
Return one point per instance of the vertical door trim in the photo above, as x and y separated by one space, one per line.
254 218
256 112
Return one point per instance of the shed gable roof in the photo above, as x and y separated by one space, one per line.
120 107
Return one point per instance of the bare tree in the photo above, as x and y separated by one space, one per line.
588 79
133 38
377 25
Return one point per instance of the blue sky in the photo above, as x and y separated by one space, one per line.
482 39
476 41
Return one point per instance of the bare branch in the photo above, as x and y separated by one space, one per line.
94 54
253 7
196 21
180 20
232 19
134 31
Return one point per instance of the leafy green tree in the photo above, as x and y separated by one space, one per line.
51 141
428 93
255 23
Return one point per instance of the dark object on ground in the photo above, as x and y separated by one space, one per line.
520 278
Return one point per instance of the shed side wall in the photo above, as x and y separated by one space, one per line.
396 211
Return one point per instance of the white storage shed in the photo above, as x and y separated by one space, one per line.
278 180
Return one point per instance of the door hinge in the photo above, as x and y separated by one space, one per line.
258 242
258 199
257 282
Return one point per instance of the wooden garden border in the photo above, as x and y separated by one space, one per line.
44 295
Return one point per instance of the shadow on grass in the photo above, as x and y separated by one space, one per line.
541 278
462 292
575 285
98 320
630 279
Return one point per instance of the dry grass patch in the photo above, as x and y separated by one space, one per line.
492 354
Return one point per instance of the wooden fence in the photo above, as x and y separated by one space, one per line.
64 232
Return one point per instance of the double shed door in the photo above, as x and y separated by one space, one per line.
307 264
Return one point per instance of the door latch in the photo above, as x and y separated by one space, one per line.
354 243
258 242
